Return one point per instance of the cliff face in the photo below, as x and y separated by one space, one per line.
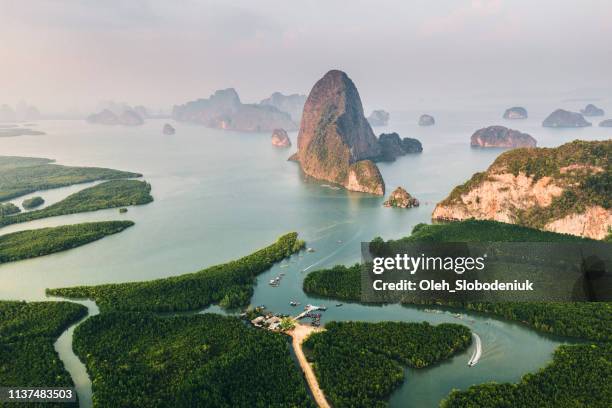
500 136
224 110
335 141
565 189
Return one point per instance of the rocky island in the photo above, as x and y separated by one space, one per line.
292 104
562 119
168 129
606 123
335 141
379 118
400 198
392 146
128 117
592 110
563 189
224 110
280 138
427 120
516 112
500 136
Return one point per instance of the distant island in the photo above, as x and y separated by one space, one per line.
292 104
280 138
562 119
592 110
563 189
128 117
168 129
224 110
516 112
392 146
379 118
427 120
13 131
335 141
400 198
500 136
606 123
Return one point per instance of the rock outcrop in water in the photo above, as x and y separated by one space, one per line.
562 119
379 118
224 110
401 199
280 138
292 104
168 129
392 146
516 112
107 117
500 136
606 123
427 120
563 189
335 141
592 110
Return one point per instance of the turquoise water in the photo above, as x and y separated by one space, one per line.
219 195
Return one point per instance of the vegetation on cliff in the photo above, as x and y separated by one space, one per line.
24 175
359 364
200 360
229 284
579 376
110 194
27 334
39 242
582 169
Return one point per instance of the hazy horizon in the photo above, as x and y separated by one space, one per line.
70 55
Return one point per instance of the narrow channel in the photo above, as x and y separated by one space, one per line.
74 366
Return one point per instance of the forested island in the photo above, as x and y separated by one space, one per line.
587 320
359 364
579 376
143 360
23 175
33 202
27 334
110 194
229 284
44 241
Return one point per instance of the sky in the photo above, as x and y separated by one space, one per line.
68 55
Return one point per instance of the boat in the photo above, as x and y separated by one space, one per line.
338 304
293 303
310 249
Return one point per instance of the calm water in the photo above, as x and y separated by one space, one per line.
220 195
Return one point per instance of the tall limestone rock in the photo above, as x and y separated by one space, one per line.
336 142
